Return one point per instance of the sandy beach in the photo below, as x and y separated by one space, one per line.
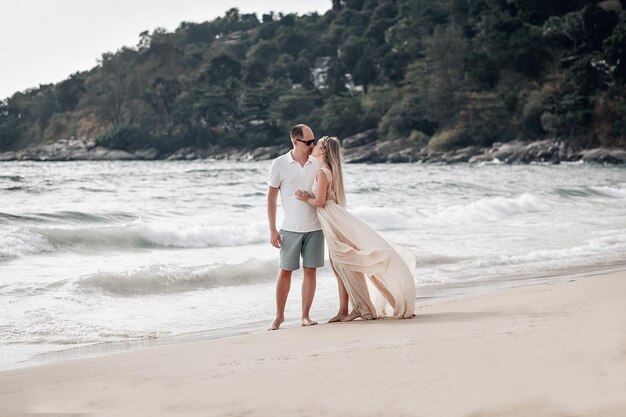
545 350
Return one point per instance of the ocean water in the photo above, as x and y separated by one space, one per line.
112 253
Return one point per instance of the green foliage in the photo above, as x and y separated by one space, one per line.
69 92
340 116
222 67
532 113
448 139
615 51
377 103
420 138
574 113
295 105
550 123
9 127
125 137
460 72
258 61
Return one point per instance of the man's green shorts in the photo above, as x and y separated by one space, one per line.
309 245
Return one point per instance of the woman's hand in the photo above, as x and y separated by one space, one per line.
302 195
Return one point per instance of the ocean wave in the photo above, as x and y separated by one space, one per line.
615 192
366 190
165 279
13 178
202 236
575 192
67 217
94 237
428 259
30 240
43 328
489 209
77 217
484 210
612 247
21 242
384 218
8 218
593 191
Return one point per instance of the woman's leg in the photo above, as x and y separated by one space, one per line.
343 297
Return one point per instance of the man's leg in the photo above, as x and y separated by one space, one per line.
312 258
283 284
289 262
308 292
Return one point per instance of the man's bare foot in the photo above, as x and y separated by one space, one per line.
354 315
338 317
276 323
308 322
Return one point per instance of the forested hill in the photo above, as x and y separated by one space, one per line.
444 73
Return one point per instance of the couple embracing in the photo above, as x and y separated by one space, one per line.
370 272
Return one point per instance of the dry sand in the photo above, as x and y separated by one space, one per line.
544 350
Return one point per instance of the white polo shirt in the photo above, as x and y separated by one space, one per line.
289 176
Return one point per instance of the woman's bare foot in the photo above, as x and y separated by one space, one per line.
276 323
308 322
354 315
338 317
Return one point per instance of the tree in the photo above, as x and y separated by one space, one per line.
258 60
161 97
294 105
114 90
222 67
615 51
459 71
365 70
340 116
69 92
213 108
256 102
336 78
9 127
442 84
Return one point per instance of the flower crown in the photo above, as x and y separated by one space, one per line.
325 140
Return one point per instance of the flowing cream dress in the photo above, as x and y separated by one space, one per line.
372 271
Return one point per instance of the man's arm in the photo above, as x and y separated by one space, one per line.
272 198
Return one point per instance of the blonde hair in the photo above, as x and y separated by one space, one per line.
333 157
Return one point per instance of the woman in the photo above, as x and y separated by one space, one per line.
357 251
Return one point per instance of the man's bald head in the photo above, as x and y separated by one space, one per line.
302 132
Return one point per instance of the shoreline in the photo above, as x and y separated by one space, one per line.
467 292
546 349
363 147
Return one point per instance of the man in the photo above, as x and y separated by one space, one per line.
300 234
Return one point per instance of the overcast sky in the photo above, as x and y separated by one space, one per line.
44 41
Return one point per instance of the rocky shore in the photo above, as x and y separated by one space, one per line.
364 147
